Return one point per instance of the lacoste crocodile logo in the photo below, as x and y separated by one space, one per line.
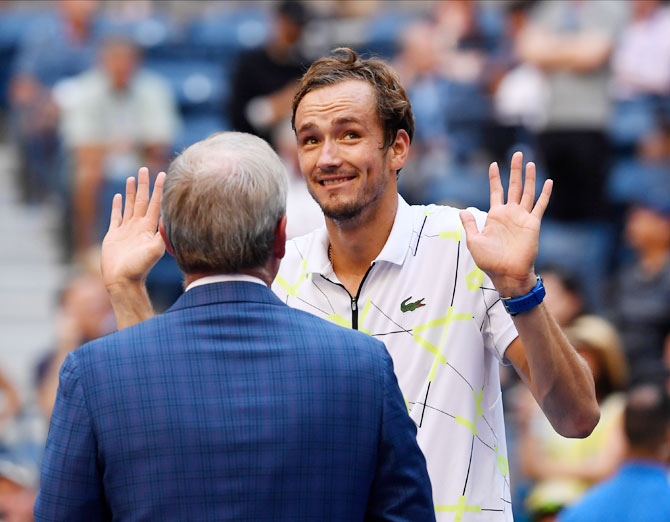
410 307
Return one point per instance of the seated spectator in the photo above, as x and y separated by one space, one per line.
641 59
571 42
641 297
563 468
266 79
640 490
565 298
85 313
53 50
116 118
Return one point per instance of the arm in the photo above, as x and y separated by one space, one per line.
505 249
598 464
71 482
401 489
87 180
581 52
131 247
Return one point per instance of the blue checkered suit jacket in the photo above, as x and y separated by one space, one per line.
232 406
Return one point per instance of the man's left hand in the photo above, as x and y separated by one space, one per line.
507 246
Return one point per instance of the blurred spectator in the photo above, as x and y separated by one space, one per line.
518 89
563 468
422 73
640 490
641 296
84 313
564 298
571 42
10 403
53 50
641 60
116 118
265 79
16 497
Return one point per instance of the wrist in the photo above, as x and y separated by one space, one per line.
528 301
512 287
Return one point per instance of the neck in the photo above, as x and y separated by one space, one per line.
355 244
654 260
262 273
644 454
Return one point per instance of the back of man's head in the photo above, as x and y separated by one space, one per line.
647 420
222 201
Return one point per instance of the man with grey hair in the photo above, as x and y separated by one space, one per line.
231 405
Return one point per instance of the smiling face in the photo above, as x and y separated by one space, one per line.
340 151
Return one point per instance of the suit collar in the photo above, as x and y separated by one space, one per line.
225 292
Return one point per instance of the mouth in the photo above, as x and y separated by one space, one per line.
335 181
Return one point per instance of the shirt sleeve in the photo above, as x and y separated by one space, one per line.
71 482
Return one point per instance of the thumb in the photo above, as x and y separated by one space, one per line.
469 224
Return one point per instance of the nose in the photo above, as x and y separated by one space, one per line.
329 158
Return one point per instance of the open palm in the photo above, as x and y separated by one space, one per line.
133 245
506 247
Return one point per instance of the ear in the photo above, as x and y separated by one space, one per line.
279 249
161 229
399 150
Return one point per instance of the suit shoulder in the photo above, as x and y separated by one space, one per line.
339 337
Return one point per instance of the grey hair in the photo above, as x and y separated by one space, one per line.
222 200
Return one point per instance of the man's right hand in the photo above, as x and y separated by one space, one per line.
131 247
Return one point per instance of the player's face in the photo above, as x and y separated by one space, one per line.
340 150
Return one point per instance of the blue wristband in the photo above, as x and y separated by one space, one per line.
516 305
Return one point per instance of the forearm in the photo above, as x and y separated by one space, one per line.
581 53
558 377
131 303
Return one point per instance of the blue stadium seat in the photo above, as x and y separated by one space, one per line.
583 249
631 119
384 31
198 85
196 127
222 36
14 25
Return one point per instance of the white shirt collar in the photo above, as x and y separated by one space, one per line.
394 251
222 278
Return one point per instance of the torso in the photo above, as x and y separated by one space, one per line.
446 330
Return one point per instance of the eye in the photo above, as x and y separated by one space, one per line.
308 140
351 135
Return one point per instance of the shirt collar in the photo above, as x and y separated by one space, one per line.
394 251
222 278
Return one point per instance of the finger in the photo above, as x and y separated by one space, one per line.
515 178
495 186
115 217
543 200
130 199
469 224
142 198
154 210
529 187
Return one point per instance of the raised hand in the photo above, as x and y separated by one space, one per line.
506 247
133 245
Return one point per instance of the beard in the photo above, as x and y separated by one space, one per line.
350 211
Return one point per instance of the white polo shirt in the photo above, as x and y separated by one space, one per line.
446 329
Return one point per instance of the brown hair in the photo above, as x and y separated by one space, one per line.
393 107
